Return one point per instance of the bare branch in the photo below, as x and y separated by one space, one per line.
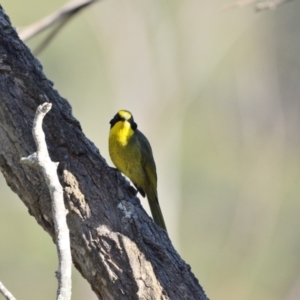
269 4
60 17
238 4
51 36
259 4
6 293
49 168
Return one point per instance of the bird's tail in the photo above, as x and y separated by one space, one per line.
156 211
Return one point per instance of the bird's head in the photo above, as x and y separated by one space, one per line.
123 116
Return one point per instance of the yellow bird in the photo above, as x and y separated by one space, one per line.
131 153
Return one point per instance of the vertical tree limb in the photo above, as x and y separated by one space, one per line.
6 293
49 169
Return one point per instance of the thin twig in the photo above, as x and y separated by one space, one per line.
259 4
60 15
51 36
237 4
271 4
49 169
6 293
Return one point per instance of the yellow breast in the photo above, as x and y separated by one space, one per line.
120 149
121 133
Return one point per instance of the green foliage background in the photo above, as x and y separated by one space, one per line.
217 94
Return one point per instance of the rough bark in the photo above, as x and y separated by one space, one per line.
114 243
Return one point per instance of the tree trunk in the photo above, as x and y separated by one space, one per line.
114 243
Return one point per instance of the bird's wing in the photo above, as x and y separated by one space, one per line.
148 160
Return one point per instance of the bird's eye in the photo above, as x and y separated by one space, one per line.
115 119
132 123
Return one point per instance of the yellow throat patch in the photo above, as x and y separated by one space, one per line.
121 132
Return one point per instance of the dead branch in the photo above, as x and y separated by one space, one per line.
42 160
6 293
57 20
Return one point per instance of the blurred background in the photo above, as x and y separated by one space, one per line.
217 94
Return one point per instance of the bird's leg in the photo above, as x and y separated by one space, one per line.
132 190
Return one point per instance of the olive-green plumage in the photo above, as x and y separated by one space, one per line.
131 153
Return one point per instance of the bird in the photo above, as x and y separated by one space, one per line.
131 153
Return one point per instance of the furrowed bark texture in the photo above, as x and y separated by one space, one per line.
114 244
